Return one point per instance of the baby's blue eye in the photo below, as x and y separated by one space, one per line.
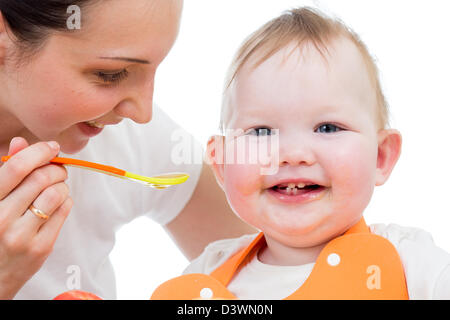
260 131
327 128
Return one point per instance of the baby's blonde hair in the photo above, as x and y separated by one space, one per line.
301 25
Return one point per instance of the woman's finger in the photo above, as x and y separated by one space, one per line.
17 144
48 232
23 163
29 189
48 202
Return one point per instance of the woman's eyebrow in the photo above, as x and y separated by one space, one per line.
127 59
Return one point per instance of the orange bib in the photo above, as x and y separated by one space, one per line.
356 265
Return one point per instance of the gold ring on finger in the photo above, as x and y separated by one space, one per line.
38 212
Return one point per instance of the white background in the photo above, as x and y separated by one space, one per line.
410 41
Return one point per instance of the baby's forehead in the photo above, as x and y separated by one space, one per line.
338 58
331 75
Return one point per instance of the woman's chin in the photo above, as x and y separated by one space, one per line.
71 140
73 147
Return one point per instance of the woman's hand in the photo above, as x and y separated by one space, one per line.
26 240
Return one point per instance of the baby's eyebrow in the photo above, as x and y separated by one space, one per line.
142 61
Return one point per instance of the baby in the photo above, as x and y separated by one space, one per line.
305 87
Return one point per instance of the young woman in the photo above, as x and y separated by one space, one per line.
72 76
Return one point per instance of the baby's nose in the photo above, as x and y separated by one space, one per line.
295 154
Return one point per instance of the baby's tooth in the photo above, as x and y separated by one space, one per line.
291 185
295 191
300 185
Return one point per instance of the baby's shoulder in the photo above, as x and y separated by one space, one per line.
426 266
401 235
216 253
412 244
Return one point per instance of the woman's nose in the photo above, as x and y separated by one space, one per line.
138 106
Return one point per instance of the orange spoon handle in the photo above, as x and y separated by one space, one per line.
81 163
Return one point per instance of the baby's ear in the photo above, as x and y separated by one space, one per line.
215 157
389 148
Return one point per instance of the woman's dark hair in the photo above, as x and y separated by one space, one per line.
31 21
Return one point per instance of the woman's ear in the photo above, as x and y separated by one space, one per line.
389 149
215 157
4 39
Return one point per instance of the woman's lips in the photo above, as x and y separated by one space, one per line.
88 130
299 196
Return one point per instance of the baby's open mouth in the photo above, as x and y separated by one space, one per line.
292 189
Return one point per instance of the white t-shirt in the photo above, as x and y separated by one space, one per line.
426 266
102 203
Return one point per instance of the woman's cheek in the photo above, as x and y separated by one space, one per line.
74 104
89 103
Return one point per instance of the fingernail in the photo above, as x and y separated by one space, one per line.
14 139
54 145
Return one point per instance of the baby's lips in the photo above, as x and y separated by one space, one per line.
296 181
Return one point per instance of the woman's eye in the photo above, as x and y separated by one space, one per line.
327 128
112 77
260 131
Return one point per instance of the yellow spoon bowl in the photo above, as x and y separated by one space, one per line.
161 181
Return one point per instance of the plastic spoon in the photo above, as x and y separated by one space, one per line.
161 181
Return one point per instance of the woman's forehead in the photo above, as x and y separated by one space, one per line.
146 30
119 22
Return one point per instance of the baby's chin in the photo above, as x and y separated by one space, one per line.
314 233
301 230
301 238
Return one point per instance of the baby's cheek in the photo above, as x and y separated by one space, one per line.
242 179
352 173
243 188
242 172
